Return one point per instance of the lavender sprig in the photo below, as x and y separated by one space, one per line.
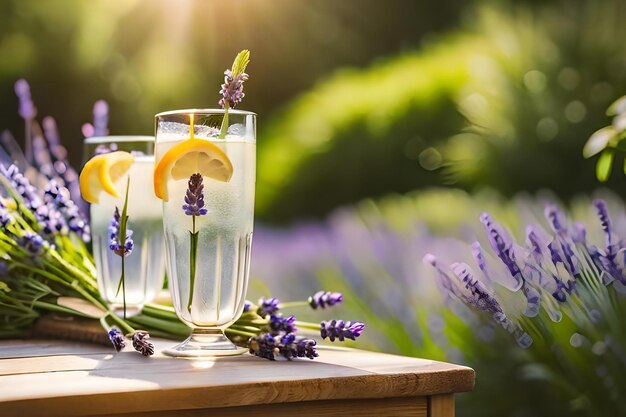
341 330
268 306
232 89
121 241
323 299
115 243
141 343
117 339
59 197
288 347
194 206
283 324
28 112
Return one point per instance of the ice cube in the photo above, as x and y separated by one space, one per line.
236 130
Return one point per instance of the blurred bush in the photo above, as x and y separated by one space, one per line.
147 56
508 102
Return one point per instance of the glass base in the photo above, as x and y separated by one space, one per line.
118 310
205 343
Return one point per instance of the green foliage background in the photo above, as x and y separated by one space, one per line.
507 103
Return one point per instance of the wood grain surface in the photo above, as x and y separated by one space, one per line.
56 378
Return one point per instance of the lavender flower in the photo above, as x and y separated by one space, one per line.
141 343
117 339
288 346
268 306
32 243
26 107
47 216
501 243
444 282
263 346
477 296
194 197
247 305
305 348
339 329
282 324
114 243
22 186
291 347
59 197
322 299
605 222
5 216
232 89
100 118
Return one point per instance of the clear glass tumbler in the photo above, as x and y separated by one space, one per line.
208 250
145 266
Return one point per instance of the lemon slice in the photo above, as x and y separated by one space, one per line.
101 173
189 157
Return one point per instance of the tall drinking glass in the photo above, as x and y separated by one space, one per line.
207 244
145 266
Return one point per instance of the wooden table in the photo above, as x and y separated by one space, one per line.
54 378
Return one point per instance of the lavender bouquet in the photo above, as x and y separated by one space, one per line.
46 266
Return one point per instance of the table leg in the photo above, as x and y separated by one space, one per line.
441 405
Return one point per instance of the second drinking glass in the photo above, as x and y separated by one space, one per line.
144 267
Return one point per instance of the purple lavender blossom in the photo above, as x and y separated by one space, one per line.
283 324
22 186
194 197
32 243
555 217
501 243
141 343
263 346
100 118
305 348
247 305
478 295
322 299
114 239
268 306
341 330
5 217
605 222
444 282
117 339
26 107
291 347
232 89
288 346
59 197
480 260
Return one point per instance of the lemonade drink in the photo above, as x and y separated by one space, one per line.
224 239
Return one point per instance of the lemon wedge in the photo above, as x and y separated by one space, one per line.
189 157
101 173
